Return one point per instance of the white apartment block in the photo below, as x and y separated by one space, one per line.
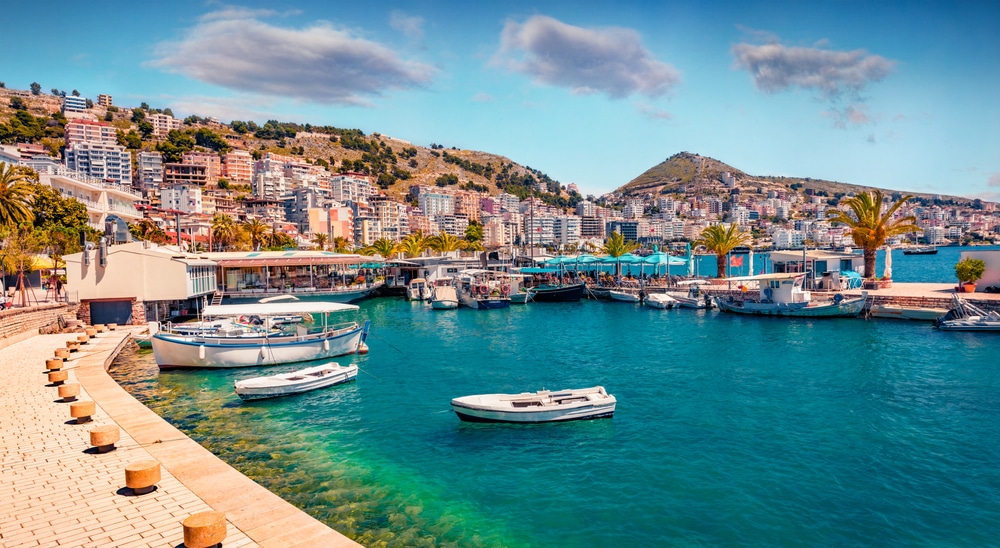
934 234
74 104
788 239
350 188
566 229
150 170
508 202
539 230
451 224
89 131
183 198
586 209
269 185
111 163
434 204
163 123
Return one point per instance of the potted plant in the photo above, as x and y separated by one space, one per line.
968 271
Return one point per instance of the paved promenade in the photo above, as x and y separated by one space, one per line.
56 491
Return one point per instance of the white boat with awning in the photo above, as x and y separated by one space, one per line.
781 294
296 382
250 344
535 407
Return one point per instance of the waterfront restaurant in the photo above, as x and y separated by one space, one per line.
825 269
138 282
242 274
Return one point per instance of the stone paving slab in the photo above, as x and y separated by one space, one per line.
57 491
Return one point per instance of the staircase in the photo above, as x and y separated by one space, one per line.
217 298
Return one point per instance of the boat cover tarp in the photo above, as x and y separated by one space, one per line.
276 309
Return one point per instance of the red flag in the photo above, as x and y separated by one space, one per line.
736 260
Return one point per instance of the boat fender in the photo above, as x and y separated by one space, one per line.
201 352
326 345
838 298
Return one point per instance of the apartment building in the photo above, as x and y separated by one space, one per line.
434 203
163 123
104 100
90 131
210 160
179 174
237 167
72 103
107 162
184 198
149 171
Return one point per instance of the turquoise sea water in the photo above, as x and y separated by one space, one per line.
729 430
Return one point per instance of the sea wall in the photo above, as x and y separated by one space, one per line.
16 322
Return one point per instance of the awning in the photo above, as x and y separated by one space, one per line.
285 261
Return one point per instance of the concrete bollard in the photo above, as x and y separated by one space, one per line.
83 339
91 332
204 529
112 326
69 392
142 476
54 364
58 377
73 346
101 328
62 353
104 438
82 410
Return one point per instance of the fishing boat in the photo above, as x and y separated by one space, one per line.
250 345
781 294
444 297
660 300
484 289
624 295
925 250
521 297
536 407
296 382
418 290
965 316
898 312
693 297
557 287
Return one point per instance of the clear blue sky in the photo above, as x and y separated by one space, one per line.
897 95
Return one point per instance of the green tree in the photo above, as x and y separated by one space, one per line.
224 231
51 209
18 247
384 247
175 146
15 195
138 116
18 103
257 231
721 240
474 232
321 239
445 243
209 139
146 130
130 140
76 93
146 229
616 245
870 227
340 244
413 244
36 88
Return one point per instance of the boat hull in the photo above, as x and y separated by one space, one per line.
847 308
247 392
906 313
473 415
624 297
444 304
538 407
557 293
179 352
663 302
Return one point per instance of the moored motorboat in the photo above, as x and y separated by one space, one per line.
444 298
484 289
925 250
296 382
965 316
251 345
906 312
693 297
660 300
536 407
781 294
418 290
624 296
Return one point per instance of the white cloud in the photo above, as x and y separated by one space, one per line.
410 25
609 60
227 109
319 63
839 77
994 179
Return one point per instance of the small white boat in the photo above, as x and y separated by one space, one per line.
296 382
418 290
906 312
623 296
965 316
660 300
521 297
536 407
444 298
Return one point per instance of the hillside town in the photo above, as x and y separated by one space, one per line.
107 161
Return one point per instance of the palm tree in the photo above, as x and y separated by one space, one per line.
224 230
869 226
413 244
321 239
257 232
616 246
383 247
340 244
15 196
721 240
146 229
444 243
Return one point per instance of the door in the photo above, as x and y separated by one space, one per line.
105 312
